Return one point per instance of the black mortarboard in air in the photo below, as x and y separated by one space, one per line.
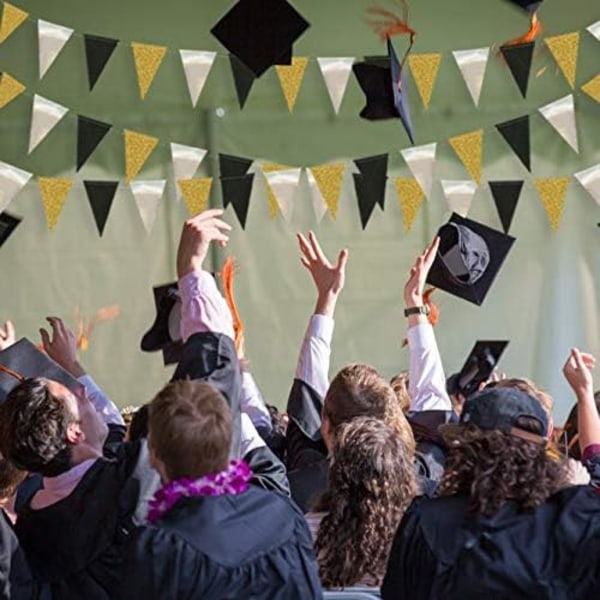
261 32
469 258
528 5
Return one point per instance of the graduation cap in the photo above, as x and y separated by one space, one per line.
23 360
382 80
260 33
469 257
528 5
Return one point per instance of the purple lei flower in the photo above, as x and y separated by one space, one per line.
234 480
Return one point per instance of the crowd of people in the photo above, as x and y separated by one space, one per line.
398 487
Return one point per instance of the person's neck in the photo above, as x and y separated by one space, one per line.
82 452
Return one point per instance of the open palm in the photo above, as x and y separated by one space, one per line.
328 278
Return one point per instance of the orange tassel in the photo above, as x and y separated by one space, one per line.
535 29
227 279
434 311
85 326
388 24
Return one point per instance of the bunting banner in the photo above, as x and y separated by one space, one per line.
54 192
518 58
410 197
564 48
365 197
591 88
516 134
147 58
561 115
8 224
590 180
374 170
424 68
243 79
196 66
421 162
12 181
237 191
10 89
147 195
506 196
89 134
45 115
472 65
469 148
186 160
284 184
138 148
290 78
51 39
459 195
552 193
195 193
325 183
100 195
234 166
594 29
98 51
336 73
12 18
272 201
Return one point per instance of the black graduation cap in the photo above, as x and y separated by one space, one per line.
8 223
528 5
23 360
469 257
261 32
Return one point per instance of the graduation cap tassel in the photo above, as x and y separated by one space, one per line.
227 278
535 29
389 24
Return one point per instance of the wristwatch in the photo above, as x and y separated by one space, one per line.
417 310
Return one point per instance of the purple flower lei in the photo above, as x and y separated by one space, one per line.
232 481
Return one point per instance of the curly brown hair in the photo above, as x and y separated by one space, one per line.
492 467
371 483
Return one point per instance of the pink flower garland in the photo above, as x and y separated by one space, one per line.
232 481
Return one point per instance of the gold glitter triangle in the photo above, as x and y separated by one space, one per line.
424 68
410 198
273 205
290 78
54 192
329 180
147 61
12 17
552 193
138 148
195 192
468 148
10 88
270 167
592 88
564 48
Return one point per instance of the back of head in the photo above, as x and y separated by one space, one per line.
528 387
10 478
190 429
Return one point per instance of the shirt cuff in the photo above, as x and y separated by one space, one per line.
102 403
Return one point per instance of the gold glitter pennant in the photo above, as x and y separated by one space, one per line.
468 148
138 148
195 192
592 88
147 61
12 17
410 198
10 88
424 68
552 193
270 167
290 78
54 192
564 49
329 181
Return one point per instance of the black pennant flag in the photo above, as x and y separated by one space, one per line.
233 166
100 195
518 58
365 196
236 191
506 196
8 223
89 135
243 78
97 52
516 133
374 171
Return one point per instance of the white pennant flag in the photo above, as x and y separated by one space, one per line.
12 180
284 185
595 30
561 115
196 65
319 204
590 180
147 196
45 115
421 162
459 195
336 72
472 65
51 39
186 160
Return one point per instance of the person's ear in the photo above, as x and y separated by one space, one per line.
74 434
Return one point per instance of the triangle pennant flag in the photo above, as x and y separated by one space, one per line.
147 196
327 187
284 185
374 171
272 201
421 162
148 58
290 78
12 17
186 160
365 197
424 68
51 40
10 88
472 65
8 224
564 49
590 180
195 193
336 72
138 148
236 191
98 50
591 88
516 134
196 66
243 78
506 196
89 134
233 166
561 115
518 58
100 195
410 198
12 181
468 148
45 115
594 29
54 192
459 195
552 193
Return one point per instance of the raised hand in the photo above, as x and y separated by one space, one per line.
413 289
577 371
7 335
62 347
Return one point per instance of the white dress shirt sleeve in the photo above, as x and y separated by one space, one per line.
102 403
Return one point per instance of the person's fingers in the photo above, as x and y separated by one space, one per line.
9 329
45 338
54 323
317 248
342 260
578 358
206 215
305 262
305 248
431 251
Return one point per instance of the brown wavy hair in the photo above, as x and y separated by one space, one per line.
491 467
371 483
